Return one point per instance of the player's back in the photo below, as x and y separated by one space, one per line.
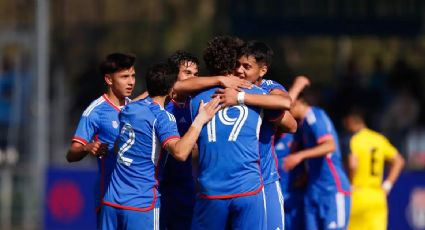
370 149
228 149
134 180
369 201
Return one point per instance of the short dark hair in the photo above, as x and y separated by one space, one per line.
355 111
115 62
160 79
262 53
180 57
221 54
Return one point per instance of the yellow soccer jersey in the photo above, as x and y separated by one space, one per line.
371 150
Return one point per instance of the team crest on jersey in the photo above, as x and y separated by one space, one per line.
115 124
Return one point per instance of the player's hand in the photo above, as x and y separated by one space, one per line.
207 111
302 81
96 148
228 97
387 186
234 83
291 161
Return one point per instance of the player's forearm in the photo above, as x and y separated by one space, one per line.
287 123
76 154
195 84
396 166
185 145
277 102
320 150
299 84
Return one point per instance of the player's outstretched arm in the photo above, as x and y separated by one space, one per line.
396 165
78 151
196 84
180 149
325 147
286 123
299 84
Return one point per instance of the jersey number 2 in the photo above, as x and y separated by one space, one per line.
127 145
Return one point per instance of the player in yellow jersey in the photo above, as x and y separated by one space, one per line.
369 153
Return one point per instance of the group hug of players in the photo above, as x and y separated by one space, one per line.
228 151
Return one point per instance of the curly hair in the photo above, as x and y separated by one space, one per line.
221 54
180 57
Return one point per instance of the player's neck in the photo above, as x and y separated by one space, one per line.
118 101
258 81
359 127
159 100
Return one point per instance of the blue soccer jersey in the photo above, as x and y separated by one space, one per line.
177 172
100 122
269 163
145 128
325 174
176 182
228 149
283 148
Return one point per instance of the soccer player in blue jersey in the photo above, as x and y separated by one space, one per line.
327 196
176 183
131 200
230 183
98 126
293 182
254 62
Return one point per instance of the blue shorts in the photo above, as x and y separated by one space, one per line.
274 206
245 212
114 218
327 211
176 208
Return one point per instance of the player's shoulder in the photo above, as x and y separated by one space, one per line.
270 85
206 93
136 108
266 82
95 107
313 114
160 113
255 90
368 134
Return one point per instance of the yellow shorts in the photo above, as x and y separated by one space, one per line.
368 209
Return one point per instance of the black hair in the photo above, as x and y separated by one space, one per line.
160 79
355 111
221 54
115 62
262 53
181 57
